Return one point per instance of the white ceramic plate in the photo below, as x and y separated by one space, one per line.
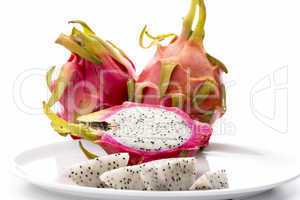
251 171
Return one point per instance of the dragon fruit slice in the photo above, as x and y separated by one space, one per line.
146 132
87 173
160 175
170 174
211 181
95 69
183 74
124 178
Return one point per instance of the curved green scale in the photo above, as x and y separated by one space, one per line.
198 33
131 89
93 47
166 70
84 26
224 106
178 100
203 92
60 86
49 76
139 89
86 152
188 20
66 128
118 49
216 62
155 39
74 47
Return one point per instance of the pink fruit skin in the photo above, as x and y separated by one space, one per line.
201 133
192 70
92 86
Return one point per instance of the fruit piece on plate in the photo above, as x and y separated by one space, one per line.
123 178
146 132
182 74
160 175
169 175
211 181
87 173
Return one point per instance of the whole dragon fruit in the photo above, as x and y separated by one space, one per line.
183 74
145 132
95 76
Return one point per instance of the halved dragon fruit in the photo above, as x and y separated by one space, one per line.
95 76
146 132
183 74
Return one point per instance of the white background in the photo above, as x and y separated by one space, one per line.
255 38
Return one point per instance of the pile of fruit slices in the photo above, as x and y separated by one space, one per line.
174 174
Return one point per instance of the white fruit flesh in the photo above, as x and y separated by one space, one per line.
171 175
123 178
149 129
211 181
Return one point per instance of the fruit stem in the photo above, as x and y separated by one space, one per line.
198 34
188 20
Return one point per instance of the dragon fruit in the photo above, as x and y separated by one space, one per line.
211 181
146 132
170 174
183 74
160 175
87 173
95 69
124 178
